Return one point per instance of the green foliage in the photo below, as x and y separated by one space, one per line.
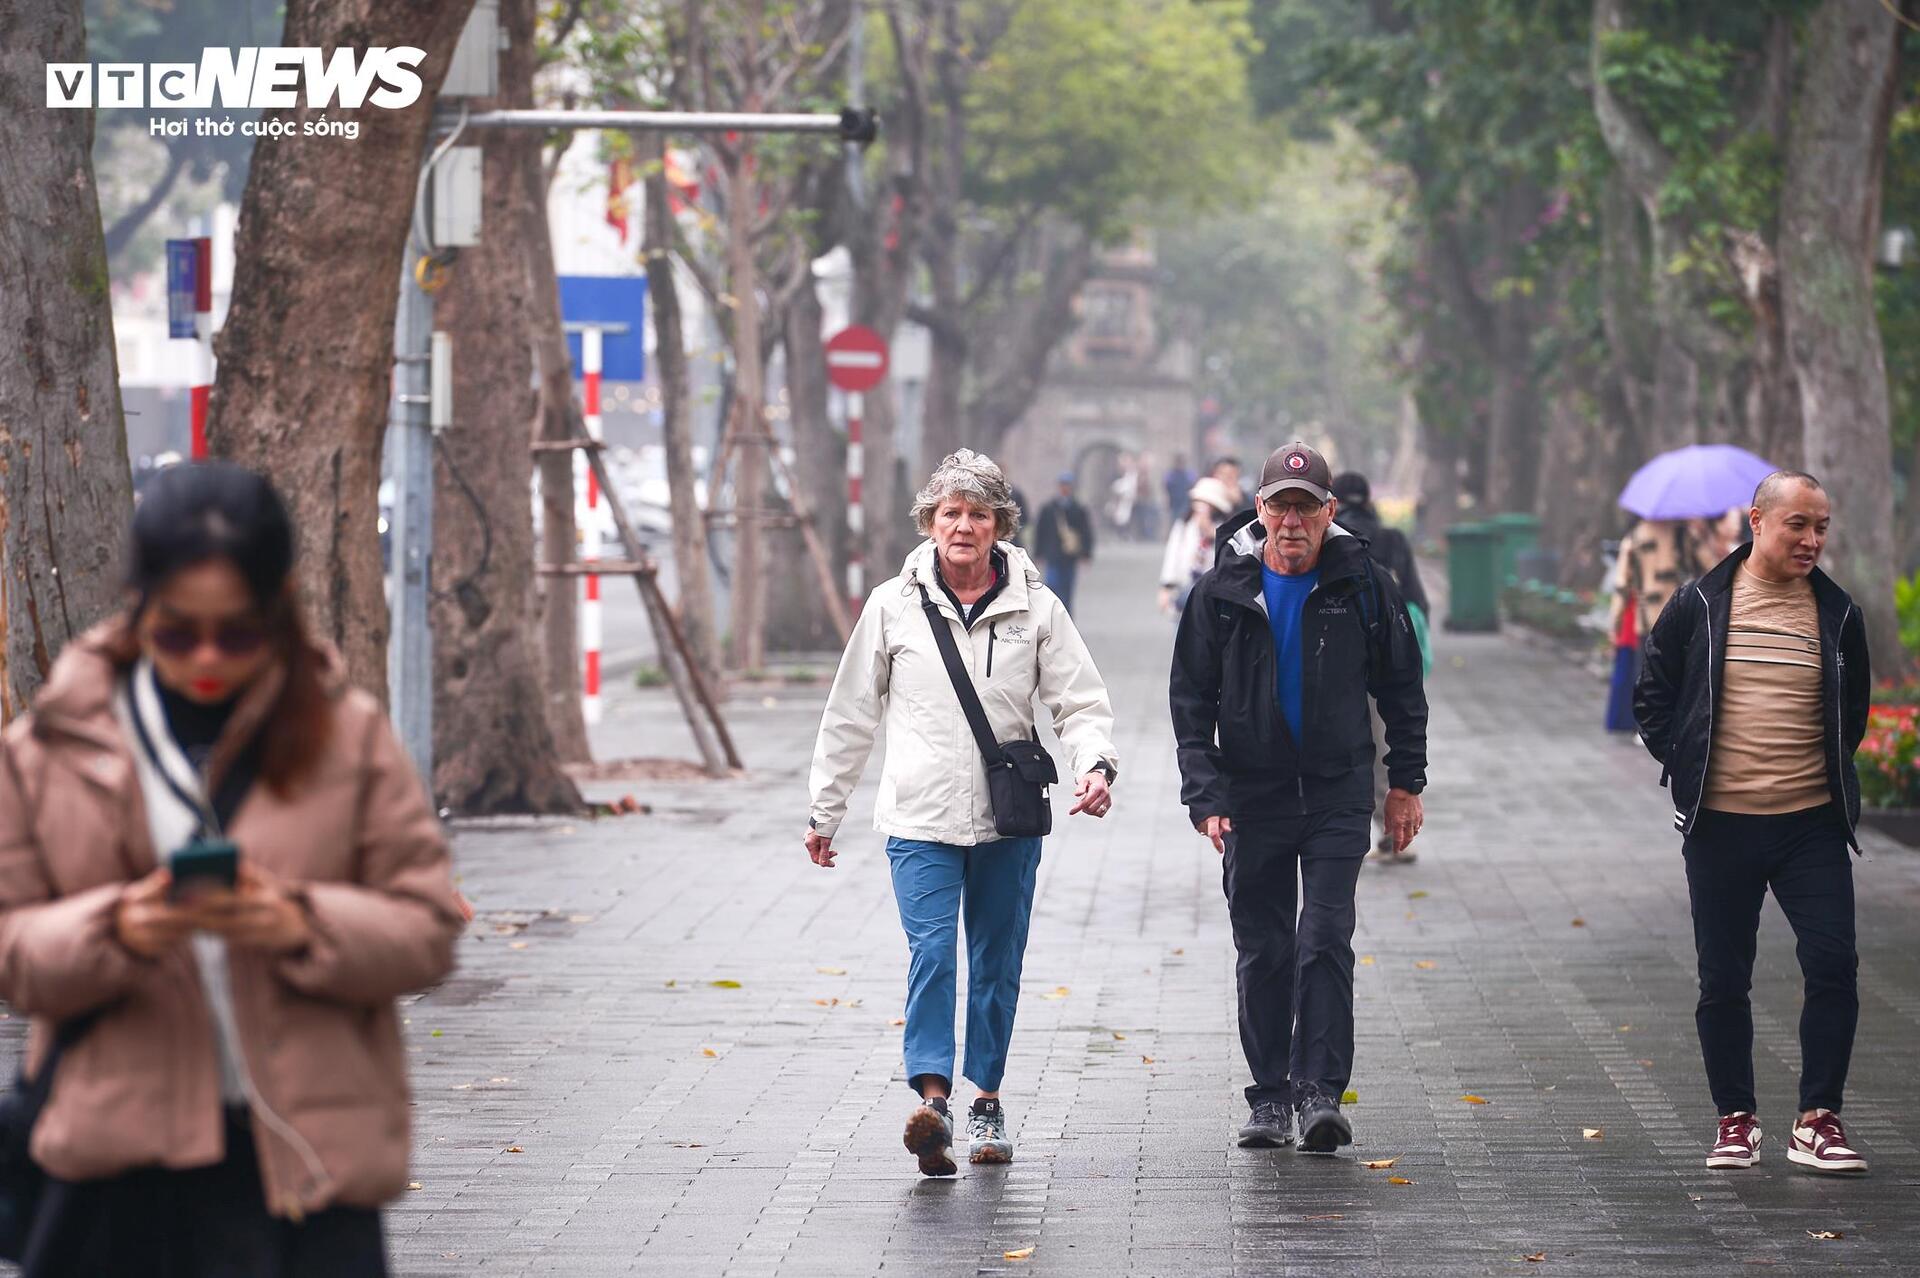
1906 602
1292 332
1101 109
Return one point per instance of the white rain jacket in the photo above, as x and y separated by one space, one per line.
933 783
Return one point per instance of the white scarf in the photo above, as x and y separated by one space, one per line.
172 822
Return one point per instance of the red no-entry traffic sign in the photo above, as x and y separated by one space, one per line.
856 359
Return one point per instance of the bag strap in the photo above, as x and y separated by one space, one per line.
962 682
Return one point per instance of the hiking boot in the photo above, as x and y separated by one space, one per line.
930 1136
987 1133
1738 1144
1323 1128
1821 1146
1270 1126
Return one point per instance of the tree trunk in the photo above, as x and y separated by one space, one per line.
493 750
306 354
751 499
65 490
1011 357
800 621
1829 218
690 565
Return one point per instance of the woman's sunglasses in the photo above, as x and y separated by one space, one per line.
232 638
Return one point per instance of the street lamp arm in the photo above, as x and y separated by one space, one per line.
852 124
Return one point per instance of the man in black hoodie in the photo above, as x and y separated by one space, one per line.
1278 651
1391 550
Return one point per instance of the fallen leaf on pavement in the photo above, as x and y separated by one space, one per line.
1058 991
1592 1133
1579 922
1644 1064
1825 1235
1024 1253
414 1184
1380 1164
821 1002
898 1020
708 1051
515 1149
1331 1215
671 984
725 985
1625 1028
1471 1099
1118 1037
1180 951
579 918
1398 1180
516 945
435 1034
1366 960
1419 894
1425 965
1538 1257
831 971
1146 1060
1349 1097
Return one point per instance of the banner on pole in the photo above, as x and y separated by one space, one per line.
182 279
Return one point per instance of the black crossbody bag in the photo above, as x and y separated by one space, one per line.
1018 772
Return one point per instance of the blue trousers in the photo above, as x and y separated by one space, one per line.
1060 576
933 883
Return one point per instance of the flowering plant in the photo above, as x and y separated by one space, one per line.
1889 776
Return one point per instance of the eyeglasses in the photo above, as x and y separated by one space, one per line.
1302 510
232 638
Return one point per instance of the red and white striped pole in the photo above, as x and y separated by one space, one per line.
590 620
856 513
202 383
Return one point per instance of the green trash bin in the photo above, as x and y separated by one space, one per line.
1473 592
1516 533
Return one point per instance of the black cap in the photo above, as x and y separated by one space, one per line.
1351 487
1296 466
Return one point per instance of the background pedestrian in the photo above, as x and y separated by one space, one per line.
1063 539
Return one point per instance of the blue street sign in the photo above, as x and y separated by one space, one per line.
614 300
180 288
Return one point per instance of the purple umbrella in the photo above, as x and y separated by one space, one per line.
1700 481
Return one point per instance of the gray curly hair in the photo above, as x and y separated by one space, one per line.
974 478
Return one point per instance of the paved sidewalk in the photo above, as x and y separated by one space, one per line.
591 1102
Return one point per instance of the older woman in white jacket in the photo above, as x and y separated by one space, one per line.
1016 640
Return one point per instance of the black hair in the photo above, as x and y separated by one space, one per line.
198 511
1350 488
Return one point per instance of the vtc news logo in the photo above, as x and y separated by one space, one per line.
239 79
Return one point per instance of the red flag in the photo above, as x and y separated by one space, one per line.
619 178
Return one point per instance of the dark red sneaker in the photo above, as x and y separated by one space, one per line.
1821 1146
1738 1144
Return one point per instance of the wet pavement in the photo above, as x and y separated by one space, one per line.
673 1047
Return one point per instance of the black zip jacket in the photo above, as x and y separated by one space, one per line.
1685 661
1236 751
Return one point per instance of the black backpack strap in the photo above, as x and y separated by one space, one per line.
962 682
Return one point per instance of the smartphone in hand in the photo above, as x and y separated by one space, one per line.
199 864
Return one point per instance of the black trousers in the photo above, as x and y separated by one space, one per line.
1296 975
210 1222
1731 862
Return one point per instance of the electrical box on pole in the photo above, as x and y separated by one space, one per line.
475 69
455 198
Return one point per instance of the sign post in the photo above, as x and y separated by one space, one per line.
856 363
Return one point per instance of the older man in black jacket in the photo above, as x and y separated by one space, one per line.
1279 648
1753 697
